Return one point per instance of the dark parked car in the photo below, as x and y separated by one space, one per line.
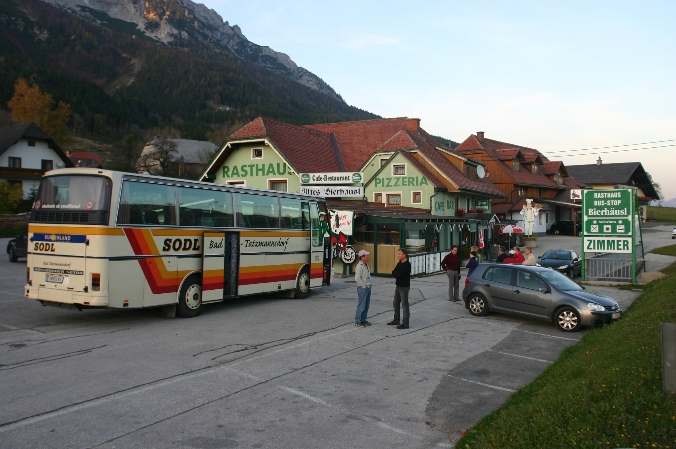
537 292
17 247
565 227
562 260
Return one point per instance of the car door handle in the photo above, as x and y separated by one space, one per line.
517 291
487 285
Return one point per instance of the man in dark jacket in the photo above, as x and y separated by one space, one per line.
502 255
402 275
451 264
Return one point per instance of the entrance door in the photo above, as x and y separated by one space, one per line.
213 266
316 248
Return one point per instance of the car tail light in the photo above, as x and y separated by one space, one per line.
96 282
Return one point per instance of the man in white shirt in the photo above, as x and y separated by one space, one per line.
362 275
530 258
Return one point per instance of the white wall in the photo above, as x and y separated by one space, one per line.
31 158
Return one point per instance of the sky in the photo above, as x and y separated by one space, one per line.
558 76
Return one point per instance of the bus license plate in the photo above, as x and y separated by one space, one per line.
616 316
55 279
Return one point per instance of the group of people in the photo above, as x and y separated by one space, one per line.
515 256
402 275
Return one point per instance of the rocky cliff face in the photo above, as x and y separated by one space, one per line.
189 25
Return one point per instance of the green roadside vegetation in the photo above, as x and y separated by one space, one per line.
664 214
605 391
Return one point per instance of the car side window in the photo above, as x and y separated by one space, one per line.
574 254
531 281
502 275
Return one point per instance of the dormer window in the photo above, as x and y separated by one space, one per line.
515 165
558 179
257 153
534 168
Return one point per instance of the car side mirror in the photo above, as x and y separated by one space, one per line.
539 257
543 290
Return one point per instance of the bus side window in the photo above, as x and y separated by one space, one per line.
290 211
147 203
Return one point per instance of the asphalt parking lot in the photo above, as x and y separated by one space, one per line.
262 372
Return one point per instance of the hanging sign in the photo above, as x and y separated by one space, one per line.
332 178
333 191
341 221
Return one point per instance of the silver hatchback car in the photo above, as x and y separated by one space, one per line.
537 292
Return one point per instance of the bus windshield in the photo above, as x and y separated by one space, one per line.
73 193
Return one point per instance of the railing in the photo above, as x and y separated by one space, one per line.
611 269
426 263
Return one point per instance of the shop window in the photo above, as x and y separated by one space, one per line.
399 170
378 198
280 185
416 197
257 153
14 162
389 234
394 200
364 233
47 164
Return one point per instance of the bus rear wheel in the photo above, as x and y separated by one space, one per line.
303 284
190 297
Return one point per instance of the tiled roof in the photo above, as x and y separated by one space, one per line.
494 148
550 168
423 170
10 135
623 173
358 140
308 150
508 154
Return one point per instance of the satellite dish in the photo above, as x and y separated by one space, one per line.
480 171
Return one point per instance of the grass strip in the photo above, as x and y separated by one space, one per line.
665 250
605 391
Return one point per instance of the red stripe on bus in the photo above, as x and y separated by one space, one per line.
155 281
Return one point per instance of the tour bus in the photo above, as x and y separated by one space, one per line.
100 238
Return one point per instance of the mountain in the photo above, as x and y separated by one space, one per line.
155 67
668 203
184 24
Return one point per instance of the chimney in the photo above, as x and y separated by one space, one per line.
480 137
599 161
413 125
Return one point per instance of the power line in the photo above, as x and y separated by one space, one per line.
615 146
617 151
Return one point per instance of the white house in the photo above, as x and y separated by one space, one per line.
26 153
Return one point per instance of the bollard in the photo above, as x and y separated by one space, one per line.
669 357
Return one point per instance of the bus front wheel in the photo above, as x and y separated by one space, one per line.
303 284
190 298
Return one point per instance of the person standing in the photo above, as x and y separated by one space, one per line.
451 264
362 275
502 255
477 253
530 258
472 263
402 276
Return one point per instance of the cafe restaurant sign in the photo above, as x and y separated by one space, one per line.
332 178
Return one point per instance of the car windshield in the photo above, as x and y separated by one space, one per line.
557 254
559 281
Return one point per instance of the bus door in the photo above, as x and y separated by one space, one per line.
219 265
318 272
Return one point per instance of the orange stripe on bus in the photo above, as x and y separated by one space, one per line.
88 230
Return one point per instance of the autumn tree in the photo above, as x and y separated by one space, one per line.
29 104
10 197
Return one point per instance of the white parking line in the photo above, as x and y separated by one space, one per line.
522 356
382 424
547 335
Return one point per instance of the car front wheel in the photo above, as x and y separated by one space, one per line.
477 305
567 319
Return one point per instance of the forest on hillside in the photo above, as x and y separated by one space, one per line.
123 87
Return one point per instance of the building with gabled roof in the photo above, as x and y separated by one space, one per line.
403 167
616 176
26 153
521 172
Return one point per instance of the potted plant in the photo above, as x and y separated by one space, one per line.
460 212
529 242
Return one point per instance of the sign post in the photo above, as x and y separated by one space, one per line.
608 224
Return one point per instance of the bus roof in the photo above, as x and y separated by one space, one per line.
117 175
